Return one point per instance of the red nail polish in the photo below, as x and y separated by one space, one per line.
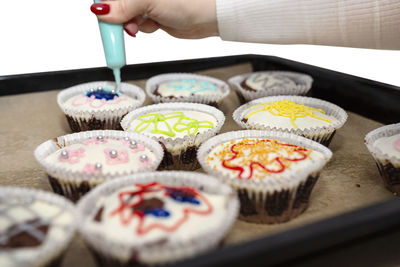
100 9
130 33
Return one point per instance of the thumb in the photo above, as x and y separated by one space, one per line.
120 11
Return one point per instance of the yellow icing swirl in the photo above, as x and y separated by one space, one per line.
289 109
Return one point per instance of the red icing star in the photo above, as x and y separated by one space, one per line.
130 200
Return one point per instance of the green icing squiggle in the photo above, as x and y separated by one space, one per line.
191 126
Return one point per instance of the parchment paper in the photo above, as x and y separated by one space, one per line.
349 181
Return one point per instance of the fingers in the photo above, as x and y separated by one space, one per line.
131 27
140 24
120 11
149 26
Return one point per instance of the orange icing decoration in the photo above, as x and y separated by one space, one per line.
289 109
265 155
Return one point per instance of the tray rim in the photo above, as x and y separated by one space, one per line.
269 250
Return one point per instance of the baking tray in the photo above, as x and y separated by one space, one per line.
363 98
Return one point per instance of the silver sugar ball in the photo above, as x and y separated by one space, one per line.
64 154
92 90
100 138
113 154
113 91
143 157
98 166
132 144
126 138
99 88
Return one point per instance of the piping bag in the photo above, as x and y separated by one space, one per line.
112 36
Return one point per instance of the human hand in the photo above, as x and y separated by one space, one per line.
189 19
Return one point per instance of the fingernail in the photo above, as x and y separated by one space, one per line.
100 9
130 33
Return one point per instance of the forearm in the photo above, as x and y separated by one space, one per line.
351 23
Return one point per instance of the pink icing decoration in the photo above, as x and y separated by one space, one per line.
396 144
139 147
122 157
99 105
94 141
144 163
90 169
81 100
73 155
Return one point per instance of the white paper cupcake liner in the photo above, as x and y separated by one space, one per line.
153 83
303 85
176 146
173 250
51 250
322 135
389 166
71 182
260 190
105 119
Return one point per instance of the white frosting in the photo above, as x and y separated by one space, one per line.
15 212
266 118
389 145
83 157
215 159
203 118
268 81
195 226
82 103
188 87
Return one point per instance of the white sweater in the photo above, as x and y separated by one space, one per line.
351 23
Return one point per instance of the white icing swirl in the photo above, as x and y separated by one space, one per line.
268 81
16 213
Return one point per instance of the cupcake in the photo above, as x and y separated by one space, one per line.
384 145
76 163
305 116
36 227
179 127
258 84
186 87
97 106
273 172
156 217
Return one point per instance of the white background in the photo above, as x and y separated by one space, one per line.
50 35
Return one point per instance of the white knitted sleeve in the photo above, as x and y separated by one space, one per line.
352 23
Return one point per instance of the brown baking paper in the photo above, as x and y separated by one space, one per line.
349 181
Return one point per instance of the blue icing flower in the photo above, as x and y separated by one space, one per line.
103 93
192 85
158 212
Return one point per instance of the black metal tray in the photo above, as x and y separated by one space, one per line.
371 99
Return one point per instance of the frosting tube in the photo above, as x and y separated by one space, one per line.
112 36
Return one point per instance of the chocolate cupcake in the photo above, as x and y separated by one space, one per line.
384 145
97 106
76 163
179 127
305 116
156 218
258 84
273 172
36 227
186 87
